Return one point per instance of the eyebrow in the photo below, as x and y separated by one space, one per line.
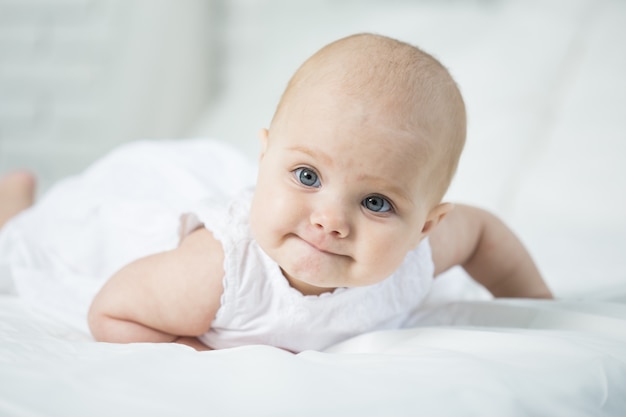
326 159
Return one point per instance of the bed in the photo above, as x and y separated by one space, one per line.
465 355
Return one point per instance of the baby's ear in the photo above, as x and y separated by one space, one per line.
263 136
435 216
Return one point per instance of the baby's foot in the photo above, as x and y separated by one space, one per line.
17 192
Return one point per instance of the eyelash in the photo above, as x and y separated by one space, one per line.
300 171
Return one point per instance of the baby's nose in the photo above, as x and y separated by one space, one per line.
331 219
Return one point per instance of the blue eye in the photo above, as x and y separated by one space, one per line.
377 204
307 177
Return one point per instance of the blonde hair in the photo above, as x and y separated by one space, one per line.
414 87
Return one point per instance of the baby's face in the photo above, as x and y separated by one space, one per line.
340 199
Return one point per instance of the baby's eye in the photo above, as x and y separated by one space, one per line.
377 204
307 177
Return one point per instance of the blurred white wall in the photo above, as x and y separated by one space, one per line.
543 81
78 77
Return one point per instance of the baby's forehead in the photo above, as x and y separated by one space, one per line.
378 125
360 145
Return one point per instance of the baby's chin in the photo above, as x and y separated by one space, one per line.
306 288
314 286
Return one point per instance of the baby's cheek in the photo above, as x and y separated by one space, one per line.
388 258
271 217
259 220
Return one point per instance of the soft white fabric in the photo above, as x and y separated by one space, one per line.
126 205
259 307
497 358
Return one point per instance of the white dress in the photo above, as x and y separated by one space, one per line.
57 254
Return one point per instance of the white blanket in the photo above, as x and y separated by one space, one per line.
487 358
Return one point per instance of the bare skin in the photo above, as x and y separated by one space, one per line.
168 282
489 251
17 193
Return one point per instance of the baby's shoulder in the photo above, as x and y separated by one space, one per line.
201 261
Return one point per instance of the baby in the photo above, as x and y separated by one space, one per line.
345 229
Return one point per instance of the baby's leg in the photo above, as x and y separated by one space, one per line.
17 192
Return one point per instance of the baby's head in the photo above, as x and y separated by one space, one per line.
361 150
396 84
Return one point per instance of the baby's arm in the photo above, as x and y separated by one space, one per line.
165 297
489 251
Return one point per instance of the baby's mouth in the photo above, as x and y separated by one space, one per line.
317 247
321 248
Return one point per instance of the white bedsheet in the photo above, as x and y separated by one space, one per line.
479 358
